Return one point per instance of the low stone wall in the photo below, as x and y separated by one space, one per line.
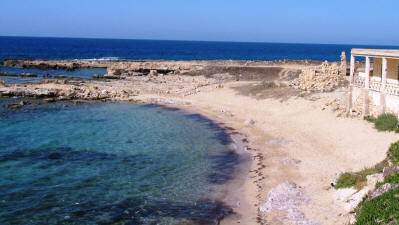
376 104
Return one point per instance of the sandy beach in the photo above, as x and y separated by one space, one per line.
298 129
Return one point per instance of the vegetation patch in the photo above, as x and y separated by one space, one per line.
268 89
393 179
346 180
386 122
359 179
385 208
371 119
381 210
393 153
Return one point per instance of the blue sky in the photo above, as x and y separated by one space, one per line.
306 21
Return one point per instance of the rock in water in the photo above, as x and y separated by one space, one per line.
54 155
48 100
153 73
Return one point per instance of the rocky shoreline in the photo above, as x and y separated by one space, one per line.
126 79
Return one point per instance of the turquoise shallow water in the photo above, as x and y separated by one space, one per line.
111 163
80 73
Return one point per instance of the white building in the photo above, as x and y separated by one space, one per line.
374 89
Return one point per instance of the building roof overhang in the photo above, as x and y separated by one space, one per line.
379 53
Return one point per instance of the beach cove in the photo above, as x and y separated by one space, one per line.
103 163
292 136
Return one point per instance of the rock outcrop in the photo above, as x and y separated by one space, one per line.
390 170
68 65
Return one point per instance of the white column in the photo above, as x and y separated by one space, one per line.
383 85
352 70
367 72
384 74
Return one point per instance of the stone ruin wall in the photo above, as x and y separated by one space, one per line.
323 78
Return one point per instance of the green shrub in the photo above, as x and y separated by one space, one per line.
393 178
379 167
393 153
386 122
381 210
371 119
346 180
385 208
359 179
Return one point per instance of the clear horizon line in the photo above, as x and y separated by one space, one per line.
140 39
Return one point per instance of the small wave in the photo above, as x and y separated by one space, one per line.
102 59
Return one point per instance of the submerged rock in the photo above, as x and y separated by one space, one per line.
28 75
97 76
49 100
54 155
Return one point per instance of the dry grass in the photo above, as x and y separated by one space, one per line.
242 73
267 89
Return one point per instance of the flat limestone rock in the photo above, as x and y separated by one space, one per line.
279 141
355 199
373 179
390 170
344 193
290 161
381 190
288 197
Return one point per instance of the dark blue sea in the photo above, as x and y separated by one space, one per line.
82 48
